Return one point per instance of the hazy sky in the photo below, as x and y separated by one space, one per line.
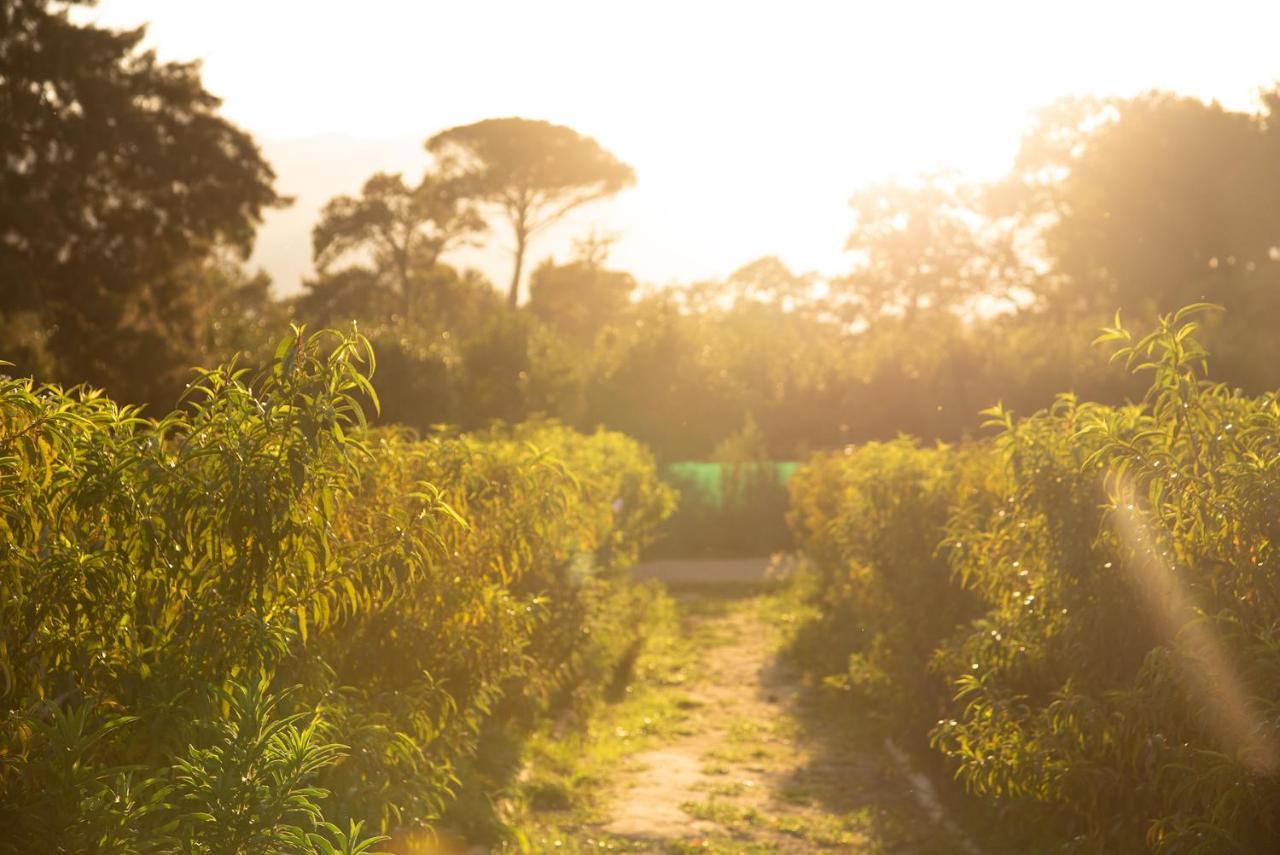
749 124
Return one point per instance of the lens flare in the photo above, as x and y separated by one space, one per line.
1208 673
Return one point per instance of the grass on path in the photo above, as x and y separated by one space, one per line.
717 746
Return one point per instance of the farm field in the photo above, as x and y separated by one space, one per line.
259 624
539 426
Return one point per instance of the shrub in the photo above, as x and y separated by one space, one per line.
1115 688
254 624
869 519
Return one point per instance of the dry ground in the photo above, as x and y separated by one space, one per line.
749 760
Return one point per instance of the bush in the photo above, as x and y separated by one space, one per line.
869 520
1116 686
254 625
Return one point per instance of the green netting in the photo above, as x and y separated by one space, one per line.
726 510
707 479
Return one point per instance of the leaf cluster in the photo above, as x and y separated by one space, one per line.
1103 588
258 625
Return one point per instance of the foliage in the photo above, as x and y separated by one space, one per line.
580 299
115 171
1152 202
254 624
1115 687
869 518
929 249
533 172
397 230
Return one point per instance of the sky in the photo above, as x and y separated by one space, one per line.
749 124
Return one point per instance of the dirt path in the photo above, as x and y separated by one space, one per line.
755 769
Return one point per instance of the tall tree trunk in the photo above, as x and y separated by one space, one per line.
513 296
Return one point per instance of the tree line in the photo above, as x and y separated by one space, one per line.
128 205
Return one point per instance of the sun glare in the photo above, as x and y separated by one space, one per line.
567 426
749 124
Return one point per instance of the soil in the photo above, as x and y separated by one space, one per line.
761 768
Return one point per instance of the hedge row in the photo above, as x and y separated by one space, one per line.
256 626
1082 615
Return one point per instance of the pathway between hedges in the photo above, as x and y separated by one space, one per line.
758 765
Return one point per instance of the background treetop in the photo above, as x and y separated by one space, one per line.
533 171
398 229
1153 201
116 171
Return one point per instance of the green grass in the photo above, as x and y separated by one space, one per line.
754 796
555 802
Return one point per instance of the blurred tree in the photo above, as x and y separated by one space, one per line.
656 379
926 247
767 280
399 230
580 298
1153 202
423 375
115 172
534 172
764 281
234 312
350 294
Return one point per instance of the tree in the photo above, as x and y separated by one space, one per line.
927 247
766 281
1153 202
115 171
532 171
582 297
235 314
400 230
655 379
